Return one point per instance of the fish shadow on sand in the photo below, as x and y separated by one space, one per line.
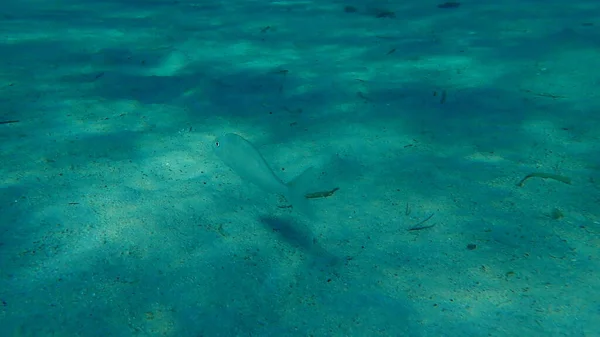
290 231
299 235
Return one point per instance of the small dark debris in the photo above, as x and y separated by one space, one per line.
361 95
350 9
449 4
471 246
98 76
418 226
385 14
587 24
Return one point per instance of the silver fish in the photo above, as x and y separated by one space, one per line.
245 160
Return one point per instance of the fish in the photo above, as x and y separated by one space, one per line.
248 163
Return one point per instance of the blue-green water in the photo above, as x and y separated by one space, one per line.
118 219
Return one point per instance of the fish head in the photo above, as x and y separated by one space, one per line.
235 151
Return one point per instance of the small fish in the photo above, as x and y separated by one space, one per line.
245 160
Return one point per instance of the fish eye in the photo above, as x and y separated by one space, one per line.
217 144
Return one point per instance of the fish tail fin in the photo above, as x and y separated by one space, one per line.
297 189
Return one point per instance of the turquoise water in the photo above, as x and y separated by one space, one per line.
118 219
